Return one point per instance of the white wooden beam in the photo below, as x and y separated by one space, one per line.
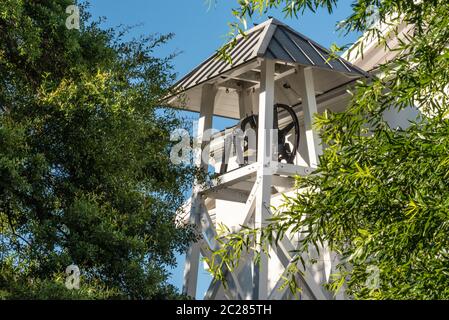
192 257
288 169
327 260
214 289
209 244
245 102
209 203
250 65
278 292
264 39
341 294
208 228
214 286
244 185
264 160
250 204
249 76
228 138
283 183
230 276
277 77
228 195
234 176
193 254
307 92
208 95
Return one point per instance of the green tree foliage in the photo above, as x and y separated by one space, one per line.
380 195
85 175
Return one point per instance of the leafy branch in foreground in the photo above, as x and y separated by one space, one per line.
85 172
380 196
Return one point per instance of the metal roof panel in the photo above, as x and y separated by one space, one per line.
272 40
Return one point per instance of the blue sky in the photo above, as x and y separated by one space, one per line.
199 30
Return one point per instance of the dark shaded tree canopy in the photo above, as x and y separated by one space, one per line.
85 175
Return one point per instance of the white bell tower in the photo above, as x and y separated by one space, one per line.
277 81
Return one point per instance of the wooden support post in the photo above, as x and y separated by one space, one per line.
193 254
307 92
245 109
284 251
264 159
205 121
245 102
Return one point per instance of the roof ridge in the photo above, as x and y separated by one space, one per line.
214 55
253 29
342 60
272 39
278 22
265 37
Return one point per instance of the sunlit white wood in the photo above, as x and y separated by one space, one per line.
228 194
245 103
264 160
192 258
230 276
193 253
288 169
283 184
307 92
234 176
250 203
286 248
215 286
210 244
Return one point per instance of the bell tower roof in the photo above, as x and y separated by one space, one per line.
271 40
